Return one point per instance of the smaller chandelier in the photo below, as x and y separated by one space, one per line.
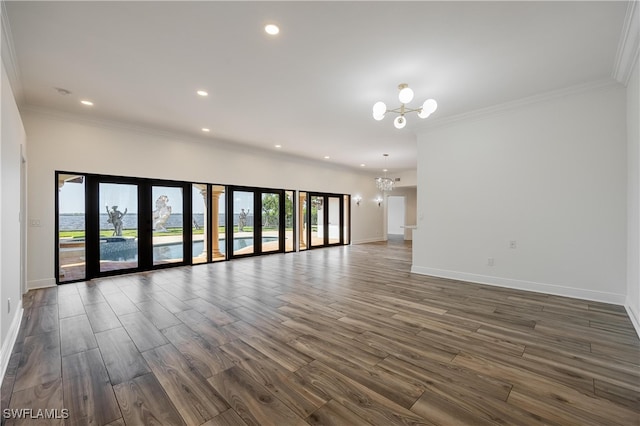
384 183
404 96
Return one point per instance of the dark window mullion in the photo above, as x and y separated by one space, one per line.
187 224
282 222
145 227
257 221
340 222
92 220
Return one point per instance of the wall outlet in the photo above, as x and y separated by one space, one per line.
513 244
34 223
490 261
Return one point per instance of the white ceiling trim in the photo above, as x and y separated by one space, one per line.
508 106
9 55
629 47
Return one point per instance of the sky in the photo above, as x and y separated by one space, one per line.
71 198
125 196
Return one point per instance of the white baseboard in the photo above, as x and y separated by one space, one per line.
36 284
7 345
368 240
633 316
576 293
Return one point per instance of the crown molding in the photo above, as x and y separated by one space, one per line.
511 105
629 45
9 55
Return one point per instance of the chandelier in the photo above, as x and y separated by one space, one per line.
384 183
405 96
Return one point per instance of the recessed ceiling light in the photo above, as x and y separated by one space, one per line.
204 129
272 29
363 165
87 103
202 93
278 146
326 157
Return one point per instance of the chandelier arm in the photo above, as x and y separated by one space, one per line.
401 110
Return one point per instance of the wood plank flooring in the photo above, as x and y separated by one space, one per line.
337 336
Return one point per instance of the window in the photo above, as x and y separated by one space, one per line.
199 221
303 221
271 203
346 219
71 228
289 221
118 230
243 218
167 219
218 227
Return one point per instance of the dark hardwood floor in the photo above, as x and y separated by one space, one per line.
342 336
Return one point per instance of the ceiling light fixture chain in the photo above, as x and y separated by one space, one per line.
404 96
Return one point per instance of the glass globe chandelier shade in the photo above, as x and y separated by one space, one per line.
406 95
379 109
428 107
400 122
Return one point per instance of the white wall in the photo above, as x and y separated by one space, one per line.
13 136
550 176
633 196
58 142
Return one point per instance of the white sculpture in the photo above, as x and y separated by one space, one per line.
161 214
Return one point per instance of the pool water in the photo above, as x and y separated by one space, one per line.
115 250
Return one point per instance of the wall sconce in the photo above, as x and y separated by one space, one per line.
357 199
379 200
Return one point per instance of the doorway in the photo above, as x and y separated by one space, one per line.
395 217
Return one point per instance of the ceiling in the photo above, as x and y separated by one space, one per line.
311 88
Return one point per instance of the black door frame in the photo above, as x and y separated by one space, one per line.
93 209
325 219
257 220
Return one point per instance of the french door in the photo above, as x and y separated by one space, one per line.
258 221
136 225
324 219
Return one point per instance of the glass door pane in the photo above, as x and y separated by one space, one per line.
242 223
317 221
218 209
270 222
199 222
118 226
289 221
72 228
302 221
334 220
168 224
